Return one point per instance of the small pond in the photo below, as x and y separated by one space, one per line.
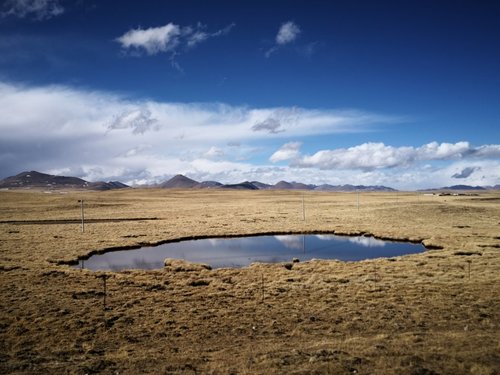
242 251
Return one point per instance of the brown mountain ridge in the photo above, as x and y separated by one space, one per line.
182 182
37 180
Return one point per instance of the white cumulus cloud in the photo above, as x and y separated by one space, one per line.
365 156
153 39
168 38
369 156
287 33
435 150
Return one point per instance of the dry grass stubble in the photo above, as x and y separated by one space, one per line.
418 314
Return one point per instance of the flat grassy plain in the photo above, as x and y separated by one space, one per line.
431 313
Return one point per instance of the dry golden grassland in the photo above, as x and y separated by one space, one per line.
432 313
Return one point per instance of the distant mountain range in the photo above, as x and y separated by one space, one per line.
33 179
182 182
464 187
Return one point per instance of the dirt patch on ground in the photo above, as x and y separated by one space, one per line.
435 312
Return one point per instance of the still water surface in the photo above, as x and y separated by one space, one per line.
242 251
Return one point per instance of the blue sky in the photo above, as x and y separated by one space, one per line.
399 93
